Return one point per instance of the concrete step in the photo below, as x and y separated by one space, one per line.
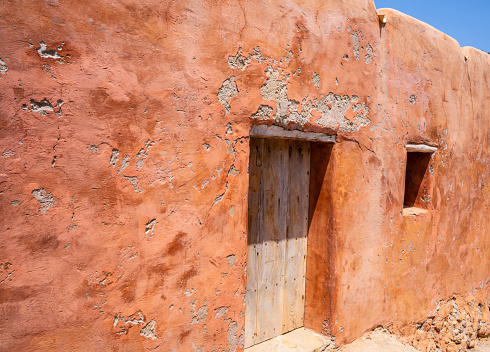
299 340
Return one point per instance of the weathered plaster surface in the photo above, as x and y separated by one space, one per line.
124 131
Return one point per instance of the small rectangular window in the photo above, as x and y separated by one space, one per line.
418 176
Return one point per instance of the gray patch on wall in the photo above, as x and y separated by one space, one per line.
333 108
241 62
124 163
114 157
136 318
149 330
221 312
45 199
316 79
355 44
369 56
231 259
150 227
286 109
134 182
8 153
263 113
200 315
231 335
241 338
143 154
3 67
227 91
44 53
413 99
41 107
334 117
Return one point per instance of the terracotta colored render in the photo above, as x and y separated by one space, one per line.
125 129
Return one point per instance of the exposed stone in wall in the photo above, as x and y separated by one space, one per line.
342 113
455 325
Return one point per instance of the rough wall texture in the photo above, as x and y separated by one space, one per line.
124 133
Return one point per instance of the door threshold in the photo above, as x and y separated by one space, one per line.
299 340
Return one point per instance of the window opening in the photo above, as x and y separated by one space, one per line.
418 176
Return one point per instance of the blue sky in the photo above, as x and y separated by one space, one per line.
467 21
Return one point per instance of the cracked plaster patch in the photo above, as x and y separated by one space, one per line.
290 113
333 107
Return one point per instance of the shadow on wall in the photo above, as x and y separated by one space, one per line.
320 158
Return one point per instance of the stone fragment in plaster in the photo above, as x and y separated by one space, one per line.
148 330
233 171
231 335
150 227
114 157
263 113
221 312
241 62
8 153
124 164
41 107
200 315
227 91
45 53
134 182
136 318
368 58
45 199
274 88
143 154
334 107
3 67
231 259
316 79
413 99
355 44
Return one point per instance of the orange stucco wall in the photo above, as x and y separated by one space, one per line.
124 139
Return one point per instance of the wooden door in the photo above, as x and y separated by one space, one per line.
278 226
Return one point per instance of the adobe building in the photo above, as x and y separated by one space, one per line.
208 175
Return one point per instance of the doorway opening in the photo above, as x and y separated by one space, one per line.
277 238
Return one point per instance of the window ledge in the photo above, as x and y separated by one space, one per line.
420 148
414 211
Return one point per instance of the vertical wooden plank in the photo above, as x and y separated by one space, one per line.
303 248
295 263
272 241
255 220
